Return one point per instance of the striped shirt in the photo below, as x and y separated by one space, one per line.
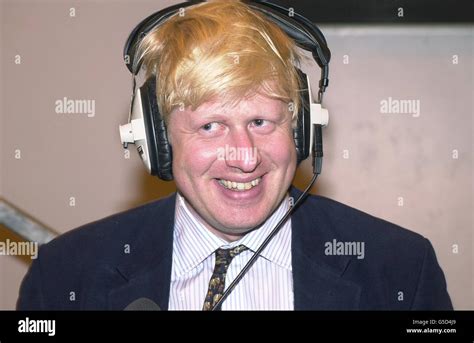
268 285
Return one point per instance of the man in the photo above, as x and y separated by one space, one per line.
228 89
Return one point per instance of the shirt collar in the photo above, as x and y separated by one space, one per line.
193 242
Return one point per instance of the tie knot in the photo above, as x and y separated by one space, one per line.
225 256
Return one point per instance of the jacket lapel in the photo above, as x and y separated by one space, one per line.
147 274
318 279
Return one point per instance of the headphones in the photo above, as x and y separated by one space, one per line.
146 127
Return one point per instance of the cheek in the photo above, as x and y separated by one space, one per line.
193 158
281 149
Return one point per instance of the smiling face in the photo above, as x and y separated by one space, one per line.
233 164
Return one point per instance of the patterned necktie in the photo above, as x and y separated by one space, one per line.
217 282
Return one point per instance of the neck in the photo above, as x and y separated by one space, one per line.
228 237
222 233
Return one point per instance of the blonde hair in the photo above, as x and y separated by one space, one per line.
222 50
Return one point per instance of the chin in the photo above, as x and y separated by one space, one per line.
240 220
238 227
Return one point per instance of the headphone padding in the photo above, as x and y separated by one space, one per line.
159 148
302 131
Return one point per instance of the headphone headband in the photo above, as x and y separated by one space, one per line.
305 34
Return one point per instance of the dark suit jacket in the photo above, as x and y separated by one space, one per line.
112 262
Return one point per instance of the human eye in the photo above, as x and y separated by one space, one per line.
262 125
211 129
259 122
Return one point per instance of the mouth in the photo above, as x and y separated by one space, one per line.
239 186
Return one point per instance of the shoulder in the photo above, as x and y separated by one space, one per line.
85 260
335 234
348 223
386 261
98 237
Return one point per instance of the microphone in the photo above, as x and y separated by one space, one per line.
142 304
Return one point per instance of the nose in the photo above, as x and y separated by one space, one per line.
241 152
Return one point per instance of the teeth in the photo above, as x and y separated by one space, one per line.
239 186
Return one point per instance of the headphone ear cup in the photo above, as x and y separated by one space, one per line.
159 148
302 131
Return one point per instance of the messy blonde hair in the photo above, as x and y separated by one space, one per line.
220 49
